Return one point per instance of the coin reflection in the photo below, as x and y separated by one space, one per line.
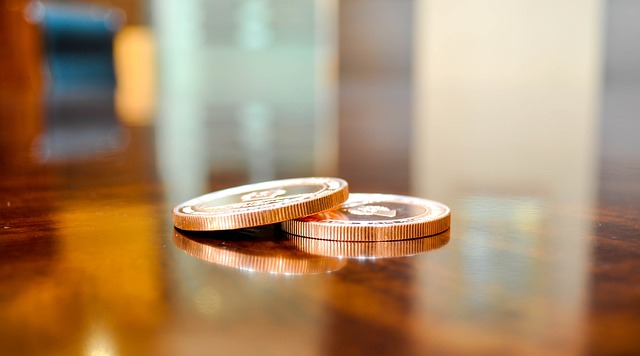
366 249
256 249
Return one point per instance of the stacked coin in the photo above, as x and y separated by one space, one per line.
317 207
260 204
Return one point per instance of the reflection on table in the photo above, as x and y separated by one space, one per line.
267 249
256 250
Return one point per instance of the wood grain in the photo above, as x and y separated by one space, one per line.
88 262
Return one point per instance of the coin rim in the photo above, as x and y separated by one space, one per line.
264 215
369 249
407 228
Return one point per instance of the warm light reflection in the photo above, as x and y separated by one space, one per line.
113 273
98 273
243 251
135 64
100 343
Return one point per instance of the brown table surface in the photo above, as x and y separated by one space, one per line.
539 163
90 263
543 254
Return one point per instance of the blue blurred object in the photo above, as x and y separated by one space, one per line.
81 79
79 46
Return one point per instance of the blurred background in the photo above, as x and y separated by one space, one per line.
505 110
404 96
289 88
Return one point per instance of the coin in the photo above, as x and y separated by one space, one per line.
372 250
246 250
260 204
374 217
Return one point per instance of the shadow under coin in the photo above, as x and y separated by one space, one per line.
376 249
255 249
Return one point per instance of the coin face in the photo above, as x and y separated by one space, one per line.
375 217
260 204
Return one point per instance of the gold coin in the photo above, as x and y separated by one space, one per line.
374 217
246 250
260 204
378 249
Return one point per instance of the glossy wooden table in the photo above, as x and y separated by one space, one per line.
90 264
